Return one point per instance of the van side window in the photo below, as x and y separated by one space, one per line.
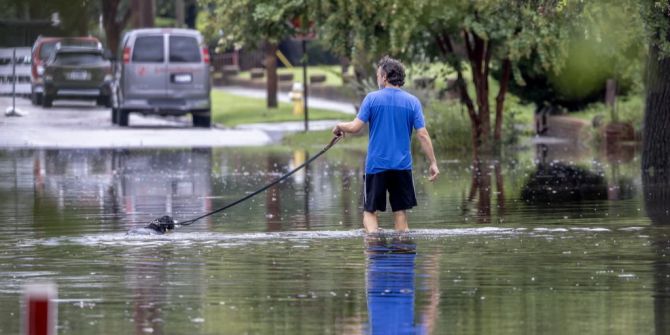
148 49
184 49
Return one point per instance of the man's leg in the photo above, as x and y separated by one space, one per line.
400 221
370 221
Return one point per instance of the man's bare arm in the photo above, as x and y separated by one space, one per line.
351 127
427 148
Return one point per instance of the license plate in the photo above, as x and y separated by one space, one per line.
183 78
79 75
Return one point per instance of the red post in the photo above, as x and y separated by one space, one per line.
40 309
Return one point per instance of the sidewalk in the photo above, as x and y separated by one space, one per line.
277 130
81 124
312 102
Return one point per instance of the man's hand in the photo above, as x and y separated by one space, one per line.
348 127
337 131
433 172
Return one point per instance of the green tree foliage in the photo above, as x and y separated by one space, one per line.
655 16
363 31
474 36
254 24
601 43
74 19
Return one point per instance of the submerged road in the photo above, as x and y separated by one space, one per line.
81 124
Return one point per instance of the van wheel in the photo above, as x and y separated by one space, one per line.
123 117
47 101
202 121
115 115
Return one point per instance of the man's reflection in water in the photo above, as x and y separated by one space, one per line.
390 285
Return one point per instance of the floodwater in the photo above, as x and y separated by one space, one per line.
543 241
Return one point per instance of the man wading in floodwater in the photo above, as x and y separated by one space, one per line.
392 113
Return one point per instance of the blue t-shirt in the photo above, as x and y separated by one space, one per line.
392 115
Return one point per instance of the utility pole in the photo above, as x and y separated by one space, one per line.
306 84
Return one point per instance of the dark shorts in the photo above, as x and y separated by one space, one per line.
399 185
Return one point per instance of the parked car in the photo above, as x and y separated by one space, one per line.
77 73
42 50
162 72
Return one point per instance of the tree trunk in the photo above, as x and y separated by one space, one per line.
180 14
271 74
656 132
655 169
481 171
112 24
444 43
500 99
143 13
479 55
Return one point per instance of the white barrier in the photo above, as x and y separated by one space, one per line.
22 70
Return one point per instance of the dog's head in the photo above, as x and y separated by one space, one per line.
162 224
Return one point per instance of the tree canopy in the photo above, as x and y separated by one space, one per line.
472 36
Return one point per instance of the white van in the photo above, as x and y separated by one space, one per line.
165 72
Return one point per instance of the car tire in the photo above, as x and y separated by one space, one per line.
115 116
36 99
123 117
202 121
104 101
47 101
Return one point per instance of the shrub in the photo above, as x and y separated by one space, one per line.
449 126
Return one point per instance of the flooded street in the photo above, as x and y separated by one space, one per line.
539 242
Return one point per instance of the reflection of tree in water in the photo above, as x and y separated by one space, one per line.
657 205
481 189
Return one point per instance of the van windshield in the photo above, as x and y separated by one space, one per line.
184 49
148 49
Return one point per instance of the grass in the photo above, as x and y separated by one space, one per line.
332 73
320 138
628 109
232 110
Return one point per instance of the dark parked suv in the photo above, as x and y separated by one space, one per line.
163 72
42 50
77 73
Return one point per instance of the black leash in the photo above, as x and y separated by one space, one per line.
165 223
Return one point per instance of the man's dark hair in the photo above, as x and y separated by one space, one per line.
393 70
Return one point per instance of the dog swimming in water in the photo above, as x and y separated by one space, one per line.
158 226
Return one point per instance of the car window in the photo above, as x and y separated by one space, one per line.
46 50
79 43
78 58
184 49
148 49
